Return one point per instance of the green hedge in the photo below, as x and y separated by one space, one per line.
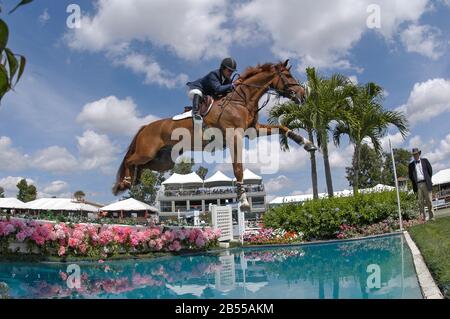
322 218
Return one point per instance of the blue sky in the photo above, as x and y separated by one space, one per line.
86 91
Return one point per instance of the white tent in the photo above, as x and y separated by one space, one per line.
129 204
250 177
185 180
11 203
378 188
218 179
60 204
441 177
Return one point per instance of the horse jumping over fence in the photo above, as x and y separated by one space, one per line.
152 145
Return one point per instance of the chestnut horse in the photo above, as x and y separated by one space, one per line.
151 147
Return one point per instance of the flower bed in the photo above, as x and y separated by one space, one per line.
272 236
386 226
100 240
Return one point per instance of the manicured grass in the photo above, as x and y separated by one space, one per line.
433 240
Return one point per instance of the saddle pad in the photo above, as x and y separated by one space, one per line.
182 116
188 114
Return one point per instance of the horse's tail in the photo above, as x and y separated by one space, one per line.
121 171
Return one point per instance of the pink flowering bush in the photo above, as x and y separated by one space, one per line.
272 236
386 226
102 240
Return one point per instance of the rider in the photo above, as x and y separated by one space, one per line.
216 83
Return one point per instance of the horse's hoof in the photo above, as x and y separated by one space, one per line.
244 205
310 148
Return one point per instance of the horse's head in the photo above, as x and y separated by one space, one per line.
286 85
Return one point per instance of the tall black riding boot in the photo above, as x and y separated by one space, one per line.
196 117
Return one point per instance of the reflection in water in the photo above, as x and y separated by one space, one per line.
312 271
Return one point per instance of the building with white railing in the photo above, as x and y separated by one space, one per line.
184 193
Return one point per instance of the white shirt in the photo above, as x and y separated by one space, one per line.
419 171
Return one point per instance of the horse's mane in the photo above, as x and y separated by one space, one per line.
251 71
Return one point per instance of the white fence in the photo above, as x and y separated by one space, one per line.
221 218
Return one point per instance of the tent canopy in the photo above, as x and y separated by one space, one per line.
59 204
250 177
186 180
218 179
11 203
441 177
129 204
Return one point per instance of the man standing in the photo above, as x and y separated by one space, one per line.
420 173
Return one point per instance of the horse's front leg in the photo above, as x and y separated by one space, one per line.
267 129
236 155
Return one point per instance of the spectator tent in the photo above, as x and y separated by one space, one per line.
129 204
184 180
441 177
250 177
11 203
60 204
218 179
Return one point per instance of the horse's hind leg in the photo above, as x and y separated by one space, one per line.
134 163
280 129
236 147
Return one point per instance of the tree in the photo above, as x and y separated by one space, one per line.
296 117
146 190
370 166
79 195
202 172
11 68
328 101
27 193
183 166
2 192
366 118
402 158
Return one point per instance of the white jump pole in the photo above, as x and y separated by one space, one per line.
396 187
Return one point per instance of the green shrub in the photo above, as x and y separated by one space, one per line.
322 218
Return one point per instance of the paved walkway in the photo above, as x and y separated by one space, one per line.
442 212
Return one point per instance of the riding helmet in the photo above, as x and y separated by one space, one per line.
228 63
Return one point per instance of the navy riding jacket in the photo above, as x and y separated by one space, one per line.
213 84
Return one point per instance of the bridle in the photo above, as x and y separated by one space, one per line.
285 92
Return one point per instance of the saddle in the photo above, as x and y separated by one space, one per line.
204 108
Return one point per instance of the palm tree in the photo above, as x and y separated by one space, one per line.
296 117
366 118
328 102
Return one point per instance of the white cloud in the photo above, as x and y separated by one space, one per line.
278 183
44 17
309 191
353 79
440 157
11 159
321 33
396 141
9 184
55 159
423 39
427 100
264 156
112 115
191 29
56 187
415 141
96 151
340 157
142 64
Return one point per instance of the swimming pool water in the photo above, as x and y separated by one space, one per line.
369 268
